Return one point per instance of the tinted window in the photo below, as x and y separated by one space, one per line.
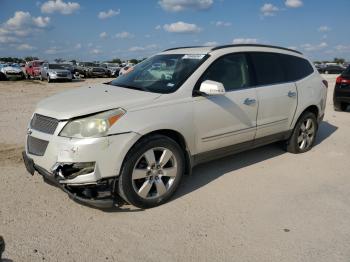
230 70
296 67
268 68
346 73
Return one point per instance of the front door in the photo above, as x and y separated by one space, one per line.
228 119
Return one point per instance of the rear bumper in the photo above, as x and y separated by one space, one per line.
100 195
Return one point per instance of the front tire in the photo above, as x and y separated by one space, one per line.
304 134
152 172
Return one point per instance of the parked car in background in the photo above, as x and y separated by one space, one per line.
54 72
112 68
71 68
124 70
88 69
2 75
135 137
11 71
331 69
32 69
341 95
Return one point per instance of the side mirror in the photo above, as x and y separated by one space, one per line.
212 88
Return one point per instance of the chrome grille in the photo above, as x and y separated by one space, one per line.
36 146
44 124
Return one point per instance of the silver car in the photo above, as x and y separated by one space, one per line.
52 72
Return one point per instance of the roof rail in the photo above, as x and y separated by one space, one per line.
255 45
182 48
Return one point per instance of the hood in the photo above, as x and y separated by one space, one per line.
88 100
11 68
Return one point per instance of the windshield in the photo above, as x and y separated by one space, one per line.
56 66
161 73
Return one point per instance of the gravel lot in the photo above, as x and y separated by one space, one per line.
261 205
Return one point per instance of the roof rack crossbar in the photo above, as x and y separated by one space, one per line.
255 45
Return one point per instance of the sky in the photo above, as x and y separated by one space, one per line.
105 29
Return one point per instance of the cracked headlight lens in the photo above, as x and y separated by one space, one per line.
92 126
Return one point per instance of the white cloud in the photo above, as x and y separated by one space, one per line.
95 51
103 35
180 5
25 47
237 41
222 23
269 9
294 3
342 48
8 39
324 28
145 48
181 27
211 43
21 24
78 46
59 6
54 50
136 48
158 27
124 35
312 48
108 14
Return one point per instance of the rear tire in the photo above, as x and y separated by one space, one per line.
151 172
304 134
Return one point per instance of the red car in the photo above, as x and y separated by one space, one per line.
32 68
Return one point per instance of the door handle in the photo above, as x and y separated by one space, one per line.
249 101
292 94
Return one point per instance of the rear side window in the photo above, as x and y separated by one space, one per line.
268 68
296 67
230 70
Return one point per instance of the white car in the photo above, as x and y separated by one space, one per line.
12 71
133 139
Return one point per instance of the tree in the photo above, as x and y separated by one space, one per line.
339 60
30 58
133 61
116 61
59 60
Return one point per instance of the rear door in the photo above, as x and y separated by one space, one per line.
277 97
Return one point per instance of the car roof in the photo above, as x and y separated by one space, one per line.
210 49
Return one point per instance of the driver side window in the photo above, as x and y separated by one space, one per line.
230 70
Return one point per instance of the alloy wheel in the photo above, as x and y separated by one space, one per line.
154 173
306 134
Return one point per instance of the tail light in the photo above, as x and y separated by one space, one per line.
325 83
341 80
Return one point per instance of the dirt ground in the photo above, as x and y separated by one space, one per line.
261 205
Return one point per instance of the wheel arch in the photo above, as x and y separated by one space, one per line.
312 109
178 138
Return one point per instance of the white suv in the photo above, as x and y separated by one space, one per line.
131 140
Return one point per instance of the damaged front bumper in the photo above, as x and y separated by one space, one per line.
100 195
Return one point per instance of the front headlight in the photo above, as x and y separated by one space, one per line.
52 73
92 126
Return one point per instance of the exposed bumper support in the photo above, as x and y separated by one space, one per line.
81 194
